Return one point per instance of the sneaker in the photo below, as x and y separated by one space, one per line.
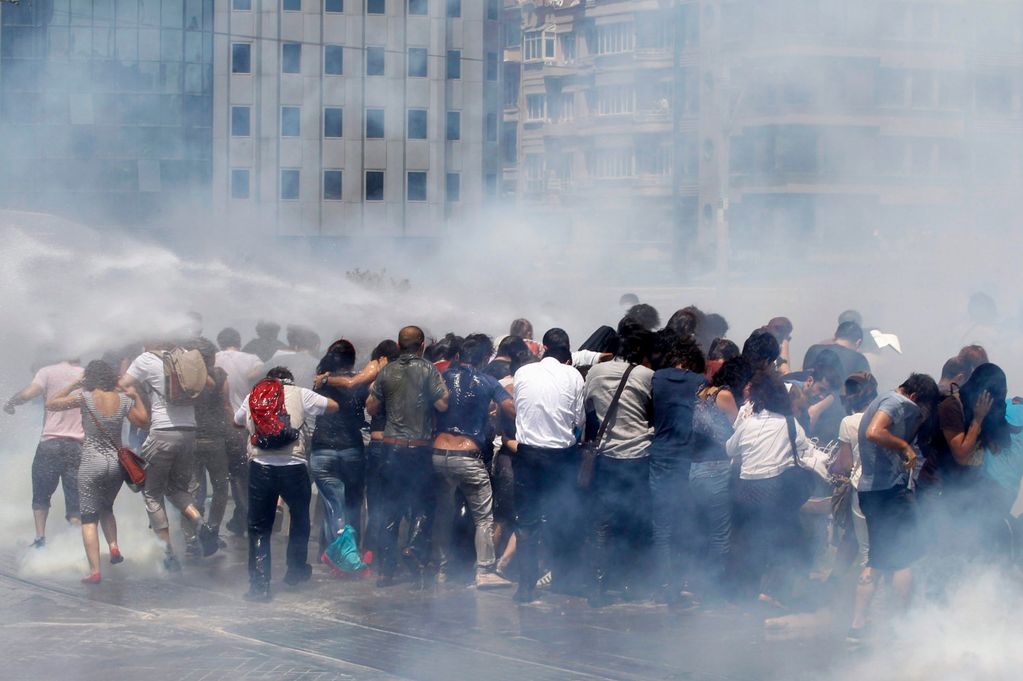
545 581
367 557
297 575
208 539
192 549
258 593
39 543
235 527
171 563
491 580
115 556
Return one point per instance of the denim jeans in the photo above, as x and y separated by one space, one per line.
406 488
238 473
463 471
711 490
266 484
210 456
339 475
668 496
623 518
56 462
374 497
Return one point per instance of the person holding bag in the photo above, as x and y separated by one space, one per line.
100 474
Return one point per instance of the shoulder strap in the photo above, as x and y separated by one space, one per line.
99 425
612 408
790 421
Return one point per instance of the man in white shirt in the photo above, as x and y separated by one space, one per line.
243 370
302 356
168 451
281 472
548 419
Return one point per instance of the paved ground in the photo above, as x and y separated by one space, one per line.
145 625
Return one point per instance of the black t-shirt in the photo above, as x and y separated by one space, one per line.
342 429
852 361
499 368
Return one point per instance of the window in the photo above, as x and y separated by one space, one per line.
291 58
509 141
491 65
513 36
331 185
239 183
453 187
614 38
417 124
238 6
611 163
291 5
454 126
240 121
536 107
563 108
491 184
417 62
568 47
333 60
376 7
334 5
333 118
538 45
416 185
614 100
491 127
241 58
493 10
374 185
374 123
535 172
289 184
374 61
291 121
454 64
417 7
454 8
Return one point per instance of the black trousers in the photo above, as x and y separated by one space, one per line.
623 518
405 488
266 483
548 502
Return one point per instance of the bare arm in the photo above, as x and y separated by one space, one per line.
63 399
138 415
442 403
816 410
962 444
126 381
332 406
843 461
507 406
725 401
878 433
373 405
29 392
367 375
225 400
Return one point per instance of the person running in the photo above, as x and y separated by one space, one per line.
385 351
280 470
59 452
860 390
100 476
266 342
411 391
846 345
458 458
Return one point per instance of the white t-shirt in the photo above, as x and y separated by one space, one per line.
585 358
239 366
302 366
762 440
147 369
849 432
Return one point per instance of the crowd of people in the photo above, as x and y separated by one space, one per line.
650 462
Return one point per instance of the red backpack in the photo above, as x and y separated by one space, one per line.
270 418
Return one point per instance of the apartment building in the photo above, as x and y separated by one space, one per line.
356 117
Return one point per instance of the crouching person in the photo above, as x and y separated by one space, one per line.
279 416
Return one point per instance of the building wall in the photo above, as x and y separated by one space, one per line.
362 38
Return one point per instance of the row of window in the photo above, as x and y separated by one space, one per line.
334 62
333 119
290 187
415 7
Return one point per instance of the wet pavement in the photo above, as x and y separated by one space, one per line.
194 625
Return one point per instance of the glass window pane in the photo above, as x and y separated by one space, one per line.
240 121
291 58
454 64
454 125
292 5
417 7
193 46
417 186
375 7
417 124
454 8
291 121
453 187
149 12
417 62
374 185
241 54
193 15
334 6
239 183
289 185
172 14
333 118
333 60
374 123
374 61
241 5
171 45
331 185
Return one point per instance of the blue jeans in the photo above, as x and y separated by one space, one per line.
710 487
339 475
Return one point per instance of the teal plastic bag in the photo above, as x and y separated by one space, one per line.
343 553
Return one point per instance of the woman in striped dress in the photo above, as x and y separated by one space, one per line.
100 475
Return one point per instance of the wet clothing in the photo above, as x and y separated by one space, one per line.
470 393
762 443
60 423
301 364
169 471
499 368
548 405
100 475
266 484
629 434
342 429
340 477
891 527
852 360
302 405
882 468
711 429
210 410
408 388
239 367
147 370
674 400
406 489
55 463
264 348
465 472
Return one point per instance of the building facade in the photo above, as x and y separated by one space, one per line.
106 107
356 117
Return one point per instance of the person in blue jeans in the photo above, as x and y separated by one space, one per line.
674 388
337 458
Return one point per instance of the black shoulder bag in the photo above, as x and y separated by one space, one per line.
591 449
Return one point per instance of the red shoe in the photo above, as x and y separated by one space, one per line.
94 578
367 557
115 556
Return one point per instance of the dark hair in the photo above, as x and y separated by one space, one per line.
229 338
851 316
281 374
828 367
522 328
99 376
767 391
761 349
683 352
645 315
340 357
859 391
849 331
954 366
604 339
410 339
562 353
974 356
303 338
990 378
387 349
447 347
637 345
722 348
266 329
555 337
511 346
687 321
520 359
924 388
476 350
205 347
714 326
779 327
734 374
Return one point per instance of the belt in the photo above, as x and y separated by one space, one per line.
406 443
470 453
